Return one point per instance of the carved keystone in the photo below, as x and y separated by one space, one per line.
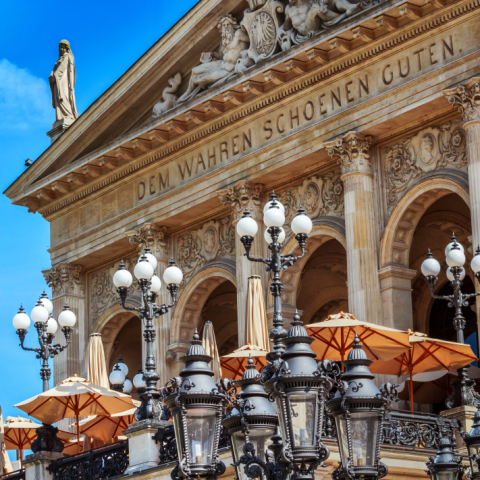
151 235
241 196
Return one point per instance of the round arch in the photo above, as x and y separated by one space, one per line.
398 235
191 300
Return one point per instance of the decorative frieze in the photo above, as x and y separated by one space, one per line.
195 249
431 149
467 98
241 196
151 235
65 279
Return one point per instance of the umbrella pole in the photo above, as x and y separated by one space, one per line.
78 433
411 391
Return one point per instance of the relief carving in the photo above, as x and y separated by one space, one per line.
467 98
151 235
65 279
431 149
195 249
168 96
243 195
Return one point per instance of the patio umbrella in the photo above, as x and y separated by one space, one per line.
426 355
235 363
73 447
334 338
104 428
73 398
256 329
5 464
210 345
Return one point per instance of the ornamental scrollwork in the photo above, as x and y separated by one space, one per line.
467 98
150 235
431 149
65 278
243 195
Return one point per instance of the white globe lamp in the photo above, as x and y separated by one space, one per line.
39 313
52 326
122 278
21 321
268 237
301 223
67 318
430 266
143 269
247 226
156 284
172 274
46 302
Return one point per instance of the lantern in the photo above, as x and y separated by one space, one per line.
472 440
445 465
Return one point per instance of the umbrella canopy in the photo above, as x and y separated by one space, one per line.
256 329
73 447
104 428
235 363
5 464
426 355
97 367
210 345
334 338
75 397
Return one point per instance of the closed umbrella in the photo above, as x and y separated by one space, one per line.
210 345
73 398
256 329
426 355
235 363
334 338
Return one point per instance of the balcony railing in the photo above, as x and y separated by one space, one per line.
97 464
16 475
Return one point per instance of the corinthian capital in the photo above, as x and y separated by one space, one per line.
65 279
351 152
467 97
241 196
151 235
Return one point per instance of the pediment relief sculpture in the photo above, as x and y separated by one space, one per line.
168 96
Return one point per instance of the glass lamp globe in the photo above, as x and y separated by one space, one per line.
476 262
143 270
123 367
156 284
450 245
455 258
21 321
430 266
247 226
172 274
46 302
67 318
127 386
39 313
268 237
138 380
116 377
274 217
150 258
451 277
301 223
52 326
269 204
122 277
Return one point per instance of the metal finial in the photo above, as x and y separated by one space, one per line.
196 338
296 318
250 363
122 266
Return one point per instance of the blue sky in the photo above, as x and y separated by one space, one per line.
106 37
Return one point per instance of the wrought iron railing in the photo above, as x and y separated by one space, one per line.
97 464
16 475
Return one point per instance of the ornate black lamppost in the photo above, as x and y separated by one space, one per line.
445 465
151 407
464 393
472 441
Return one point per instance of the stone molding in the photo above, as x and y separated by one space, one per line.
467 98
431 149
242 195
65 279
151 235
351 152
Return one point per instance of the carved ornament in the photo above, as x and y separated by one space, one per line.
151 235
467 97
65 279
351 152
243 195
168 96
431 149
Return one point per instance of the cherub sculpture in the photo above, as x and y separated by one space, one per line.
217 67
168 97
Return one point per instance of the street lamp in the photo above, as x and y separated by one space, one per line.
359 409
118 377
151 406
472 441
463 391
445 465
139 382
197 406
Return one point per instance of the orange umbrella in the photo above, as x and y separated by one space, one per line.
334 338
235 363
426 355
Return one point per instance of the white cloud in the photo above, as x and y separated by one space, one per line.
25 99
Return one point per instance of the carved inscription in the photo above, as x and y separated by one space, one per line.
430 149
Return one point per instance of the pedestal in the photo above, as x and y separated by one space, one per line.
143 451
58 128
37 463
465 416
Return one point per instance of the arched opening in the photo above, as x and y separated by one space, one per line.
221 309
322 288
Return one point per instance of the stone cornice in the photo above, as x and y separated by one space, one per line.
250 107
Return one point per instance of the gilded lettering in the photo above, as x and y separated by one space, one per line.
385 81
223 150
266 128
348 92
280 130
141 190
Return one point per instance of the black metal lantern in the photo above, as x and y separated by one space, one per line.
197 406
300 386
472 441
359 408
253 420
445 465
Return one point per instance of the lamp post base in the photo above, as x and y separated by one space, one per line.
151 408
463 393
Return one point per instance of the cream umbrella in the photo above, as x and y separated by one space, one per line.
235 363
334 338
210 345
73 398
256 329
5 464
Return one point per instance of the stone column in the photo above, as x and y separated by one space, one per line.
36 465
68 285
396 291
239 197
352 153
157 240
